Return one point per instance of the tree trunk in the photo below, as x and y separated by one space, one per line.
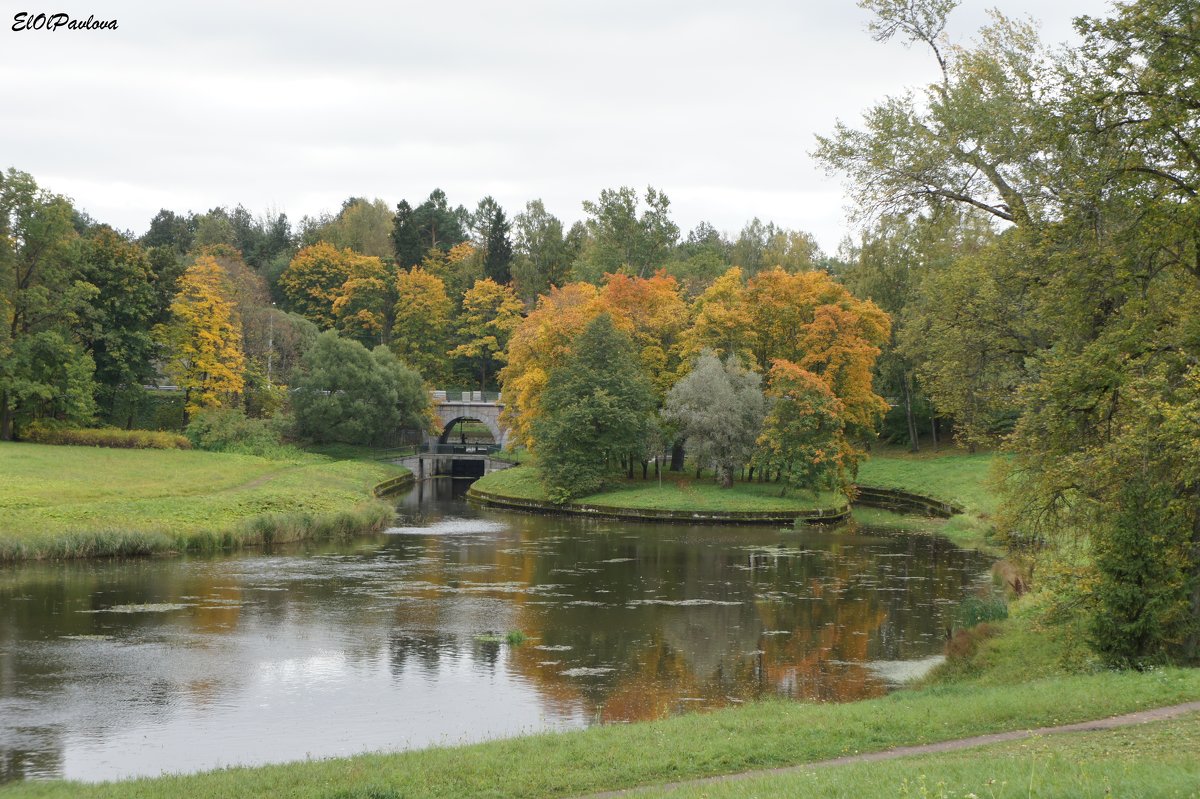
725 475
933 429
6 431
908 413
677 454
187 397
645 469
630 472
1191 645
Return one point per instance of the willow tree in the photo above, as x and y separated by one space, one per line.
718 409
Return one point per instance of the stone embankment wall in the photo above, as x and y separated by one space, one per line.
905 502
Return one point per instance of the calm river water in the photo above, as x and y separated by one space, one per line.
111 669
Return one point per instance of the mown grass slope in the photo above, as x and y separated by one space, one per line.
603 758
64 501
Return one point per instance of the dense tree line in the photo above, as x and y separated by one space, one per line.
224 304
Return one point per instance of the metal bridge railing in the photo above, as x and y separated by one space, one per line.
455 395
461 449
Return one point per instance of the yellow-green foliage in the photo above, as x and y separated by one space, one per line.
106 437
77 501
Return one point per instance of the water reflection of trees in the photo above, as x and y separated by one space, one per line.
788 614
803 619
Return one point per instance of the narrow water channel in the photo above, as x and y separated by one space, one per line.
112 669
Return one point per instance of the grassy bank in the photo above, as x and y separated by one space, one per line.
676 493
950 476
761 735
1157 759
1151 760
82 501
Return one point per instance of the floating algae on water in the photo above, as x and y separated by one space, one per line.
148 607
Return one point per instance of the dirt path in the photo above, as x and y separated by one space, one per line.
1141 717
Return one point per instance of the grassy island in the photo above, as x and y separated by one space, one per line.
949 476
64 501
675 493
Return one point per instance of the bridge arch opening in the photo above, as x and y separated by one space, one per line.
469 433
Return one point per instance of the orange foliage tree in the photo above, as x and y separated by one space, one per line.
802 439
806 318
541 341
650 310
655 316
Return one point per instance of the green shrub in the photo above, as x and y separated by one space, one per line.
230 430
42 433
976 610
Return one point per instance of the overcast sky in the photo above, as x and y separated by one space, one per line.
294 106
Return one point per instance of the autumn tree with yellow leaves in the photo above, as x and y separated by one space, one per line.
805 318
320 275
489 315
421 326
202 340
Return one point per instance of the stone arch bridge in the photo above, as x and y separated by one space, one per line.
476 406
442 456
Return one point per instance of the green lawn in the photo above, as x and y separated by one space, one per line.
60 501
601 758
952 476
676 492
